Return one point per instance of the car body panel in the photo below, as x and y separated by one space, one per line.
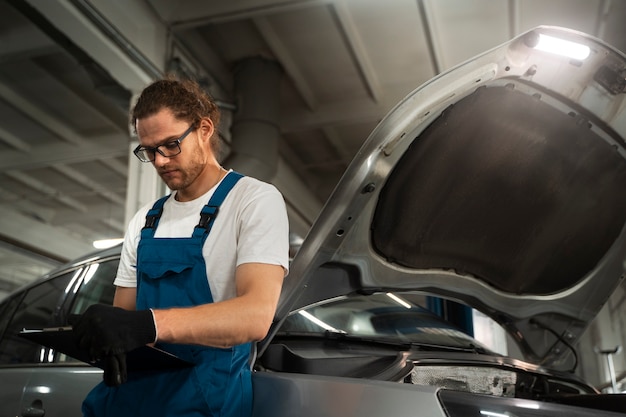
316 396
499 184
12 386
58 390
296 395
50 390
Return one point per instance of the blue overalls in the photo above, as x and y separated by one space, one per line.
171 272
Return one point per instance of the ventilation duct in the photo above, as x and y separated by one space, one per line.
254 131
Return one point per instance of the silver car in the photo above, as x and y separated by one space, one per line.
497 186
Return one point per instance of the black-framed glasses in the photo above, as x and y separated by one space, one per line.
168 149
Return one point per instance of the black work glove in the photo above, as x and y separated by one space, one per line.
115 372
108 332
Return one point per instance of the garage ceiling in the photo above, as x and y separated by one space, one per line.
68 70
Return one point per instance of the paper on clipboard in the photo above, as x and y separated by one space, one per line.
144 358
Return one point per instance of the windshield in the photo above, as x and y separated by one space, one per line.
391 317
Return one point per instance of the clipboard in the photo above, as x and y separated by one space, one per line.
145 358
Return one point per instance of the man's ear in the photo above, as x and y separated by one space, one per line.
206 129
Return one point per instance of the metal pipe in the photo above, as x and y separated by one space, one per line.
255 132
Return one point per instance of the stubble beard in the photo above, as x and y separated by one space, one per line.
187 175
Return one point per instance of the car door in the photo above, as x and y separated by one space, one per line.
14 377
34 306
35 380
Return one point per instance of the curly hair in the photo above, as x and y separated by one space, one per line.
185 98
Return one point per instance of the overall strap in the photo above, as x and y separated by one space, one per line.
210 210
153 217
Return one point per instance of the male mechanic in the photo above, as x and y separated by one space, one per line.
200 273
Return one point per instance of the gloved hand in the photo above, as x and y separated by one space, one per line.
115 372
108 332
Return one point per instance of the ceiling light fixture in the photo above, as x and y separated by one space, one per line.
106 243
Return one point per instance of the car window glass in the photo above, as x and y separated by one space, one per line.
404 318
96 288
7 308
36 310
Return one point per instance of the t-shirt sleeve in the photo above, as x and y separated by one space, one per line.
127 269
264 233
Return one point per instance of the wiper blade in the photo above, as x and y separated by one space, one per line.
403 343
411 344
341 337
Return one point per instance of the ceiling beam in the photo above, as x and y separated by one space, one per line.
341 113
427 19
208 66
514 18
45 189
13 141
46 239
92 32
21 265
337 142
87 182
357 49
604 8
101 147
186 14
115 165
22 42
302 207
42 117
21 204
98 211
285 57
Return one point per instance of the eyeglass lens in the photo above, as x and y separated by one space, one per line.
168 150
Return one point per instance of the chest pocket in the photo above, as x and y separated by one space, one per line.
159 270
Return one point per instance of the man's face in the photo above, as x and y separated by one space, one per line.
181 170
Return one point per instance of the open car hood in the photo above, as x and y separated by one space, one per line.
500 183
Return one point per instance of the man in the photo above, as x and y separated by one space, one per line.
200 272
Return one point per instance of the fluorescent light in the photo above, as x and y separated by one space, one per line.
106 243
319 322
399 300
492 414
562 47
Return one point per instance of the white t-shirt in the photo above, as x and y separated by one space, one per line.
251 227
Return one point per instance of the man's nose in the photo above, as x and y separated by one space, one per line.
159 159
